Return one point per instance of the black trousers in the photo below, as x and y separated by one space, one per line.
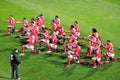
15 70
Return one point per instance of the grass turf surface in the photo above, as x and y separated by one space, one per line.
101 14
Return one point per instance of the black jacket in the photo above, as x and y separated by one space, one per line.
14 59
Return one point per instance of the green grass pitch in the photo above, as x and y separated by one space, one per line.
101 14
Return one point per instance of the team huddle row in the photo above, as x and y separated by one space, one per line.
36 32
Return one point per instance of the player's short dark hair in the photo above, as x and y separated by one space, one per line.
40 15
24 18
76 22
14 50
108 41
94 30
71 26
57 16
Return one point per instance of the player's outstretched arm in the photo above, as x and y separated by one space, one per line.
5 20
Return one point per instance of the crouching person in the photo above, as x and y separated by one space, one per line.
109 56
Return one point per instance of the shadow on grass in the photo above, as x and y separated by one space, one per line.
52 54
48 55
68 70
23 41
93 71
3 77
4 35
90 73
26 56
63 56
43 49
105 67
56 63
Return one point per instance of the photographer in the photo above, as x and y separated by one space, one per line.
14 63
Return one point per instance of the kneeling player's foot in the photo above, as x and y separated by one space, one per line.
39 51
106 61
21 54
78 62
94 67
18 79
68 65
8 33
49 51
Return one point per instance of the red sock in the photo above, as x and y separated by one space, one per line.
94 62
49 49
8 31
115 59
20 30
64 48
79 53
57 49
23 49
83 63
89 52
106 57
101 63
35 51
69 61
